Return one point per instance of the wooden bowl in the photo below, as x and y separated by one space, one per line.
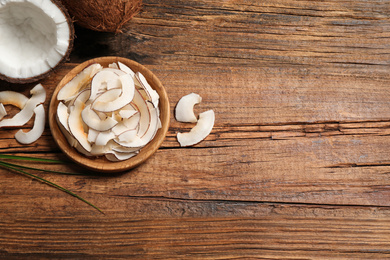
101 164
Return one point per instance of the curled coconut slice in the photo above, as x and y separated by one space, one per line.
200 131
184 111
29 107
76 127
78 82
93 120
37 130
62 119
115 156
13 98
124 99
150 92
105 79
21 118
126 69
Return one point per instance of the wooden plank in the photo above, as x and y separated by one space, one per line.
214 238
284 33
295 168
336 162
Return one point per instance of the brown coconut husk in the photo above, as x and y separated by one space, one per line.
103 15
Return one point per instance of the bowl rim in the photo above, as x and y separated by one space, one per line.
101 164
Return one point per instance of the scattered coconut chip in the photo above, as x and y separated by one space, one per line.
21 118
13 98
29 107
36 131
184 111
200 131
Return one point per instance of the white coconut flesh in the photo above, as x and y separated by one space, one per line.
3 112
103 113
13 98
81 80
28 107
37 130
92 120
103 80
35 37
151 94
200 131
76 125
119 102
21 118
184 111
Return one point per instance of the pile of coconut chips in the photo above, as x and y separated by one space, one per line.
111 111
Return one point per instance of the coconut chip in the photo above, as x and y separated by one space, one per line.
29 107
200 131
184 112
37 130
21 118
112 119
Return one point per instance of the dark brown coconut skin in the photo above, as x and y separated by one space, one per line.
103 15
64 58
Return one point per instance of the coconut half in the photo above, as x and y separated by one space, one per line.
36 35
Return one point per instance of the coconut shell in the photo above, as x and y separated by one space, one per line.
103 15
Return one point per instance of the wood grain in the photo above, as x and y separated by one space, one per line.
296 167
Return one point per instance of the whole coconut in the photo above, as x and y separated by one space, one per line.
103 15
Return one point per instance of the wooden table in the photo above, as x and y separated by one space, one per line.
297 165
